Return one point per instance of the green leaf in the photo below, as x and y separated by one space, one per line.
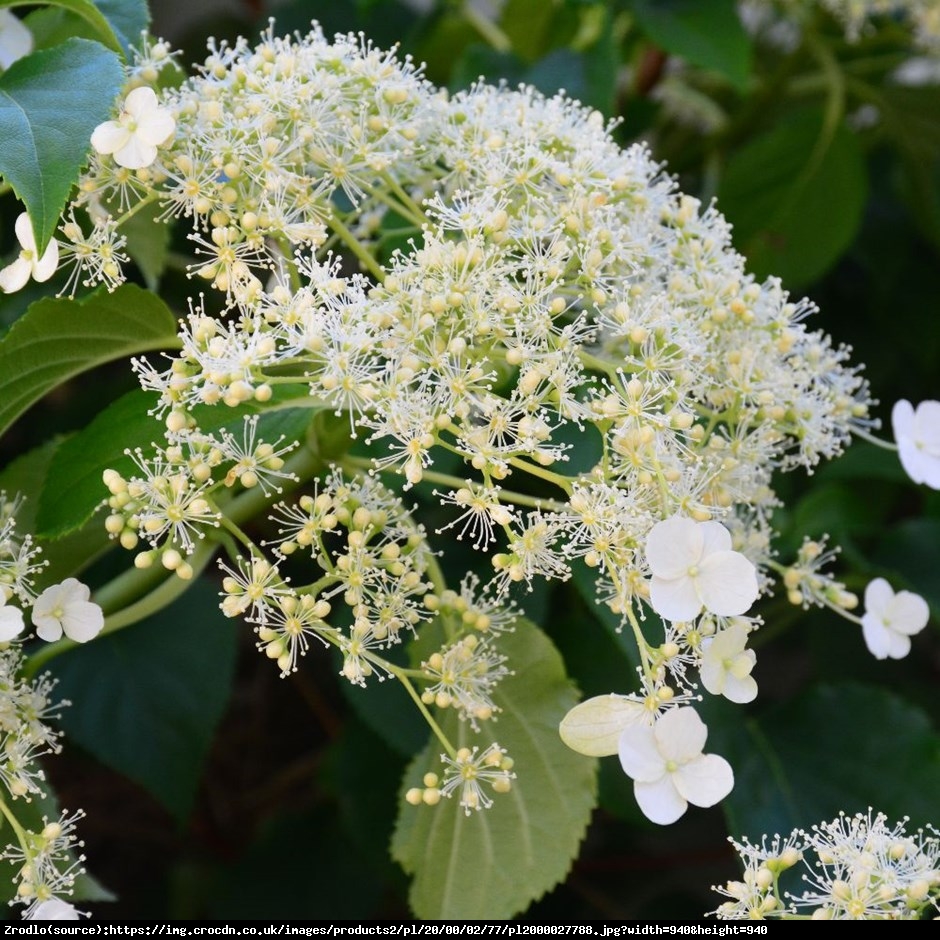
65 557
841 747
58 339
128 19
88 11
50 102
913 548
146 699
709 35
494 863
73 487
148 243
795 196
527 24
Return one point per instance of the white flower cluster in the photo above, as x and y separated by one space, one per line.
854 868
546 286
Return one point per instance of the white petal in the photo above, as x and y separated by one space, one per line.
24 232
877 636
47 628
157 127
660 800
899 645
673 546
15 275
727 583
639 756
46 266
680 734
908 613
902 419
594 727
676 599
715 537
140 101
11 623
878 597
739 689
135 154
712 672
927 426
83 621
915 464
705 781
110 136
54 909
16 40
75 590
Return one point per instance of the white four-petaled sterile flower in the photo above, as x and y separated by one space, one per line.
727 664
16 40
694 566
142 126
890 620
917 433
668 768
65 608
28 264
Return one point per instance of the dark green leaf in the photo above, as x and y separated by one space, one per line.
494 863
913 548
795 197
128 19
50 102
148 243
58 339
527 25
842 747
147 699
709 35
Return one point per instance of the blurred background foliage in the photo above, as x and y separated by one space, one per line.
257 797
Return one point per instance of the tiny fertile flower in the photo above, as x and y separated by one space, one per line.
29 264
917 433
11 621
142 126
16 40
668 767
65 608
727 664
890 619
694 566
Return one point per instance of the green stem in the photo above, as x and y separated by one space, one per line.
17 828
877 441
400 675
356 247
558 479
